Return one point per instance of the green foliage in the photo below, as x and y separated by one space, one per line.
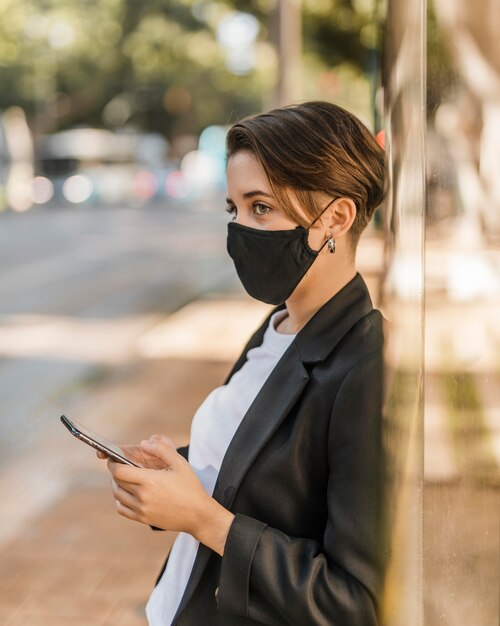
472 442
441 75
340 31
65 62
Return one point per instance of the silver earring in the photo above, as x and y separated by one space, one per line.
331 244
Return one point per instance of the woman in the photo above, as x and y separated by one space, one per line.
279 496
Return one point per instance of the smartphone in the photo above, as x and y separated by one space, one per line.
96 441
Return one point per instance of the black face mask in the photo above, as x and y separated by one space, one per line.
271 263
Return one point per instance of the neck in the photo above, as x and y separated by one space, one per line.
312 294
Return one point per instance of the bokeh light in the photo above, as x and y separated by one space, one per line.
78 188
237 33
177 186
201 170
42 190
145 185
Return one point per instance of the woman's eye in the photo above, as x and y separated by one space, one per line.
261 209
231 209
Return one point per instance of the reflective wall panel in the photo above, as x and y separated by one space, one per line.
442 283
403 80
462 294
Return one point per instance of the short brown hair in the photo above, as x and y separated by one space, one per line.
315 147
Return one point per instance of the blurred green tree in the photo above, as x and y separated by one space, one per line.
160 64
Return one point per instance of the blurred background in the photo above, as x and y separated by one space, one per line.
120 307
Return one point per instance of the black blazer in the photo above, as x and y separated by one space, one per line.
305 476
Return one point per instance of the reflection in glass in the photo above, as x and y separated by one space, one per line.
462 278
403 301
443 421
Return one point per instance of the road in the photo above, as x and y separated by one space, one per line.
79 286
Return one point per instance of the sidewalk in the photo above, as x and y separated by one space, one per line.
78 563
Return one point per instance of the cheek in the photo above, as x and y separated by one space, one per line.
281 221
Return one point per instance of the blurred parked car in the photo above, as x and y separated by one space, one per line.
91 166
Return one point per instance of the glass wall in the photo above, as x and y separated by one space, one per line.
403 80
442 283
462 291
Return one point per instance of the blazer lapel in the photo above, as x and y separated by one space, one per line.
277 396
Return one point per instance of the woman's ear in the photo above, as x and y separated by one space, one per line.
341 216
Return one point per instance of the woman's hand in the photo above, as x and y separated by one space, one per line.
169 497
137 453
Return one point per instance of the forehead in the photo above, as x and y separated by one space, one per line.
243 171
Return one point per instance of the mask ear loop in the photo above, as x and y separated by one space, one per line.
317 218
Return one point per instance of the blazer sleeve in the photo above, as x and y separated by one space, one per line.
274 578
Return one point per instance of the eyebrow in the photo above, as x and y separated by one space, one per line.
251 194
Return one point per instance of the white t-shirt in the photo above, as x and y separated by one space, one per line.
212 429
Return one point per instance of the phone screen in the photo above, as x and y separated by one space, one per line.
96 441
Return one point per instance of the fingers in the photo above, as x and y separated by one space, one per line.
159 439
130 449
127 504
126 473
122 502
125 511
155 453
122 495
162 448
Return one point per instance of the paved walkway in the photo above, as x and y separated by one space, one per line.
72 560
